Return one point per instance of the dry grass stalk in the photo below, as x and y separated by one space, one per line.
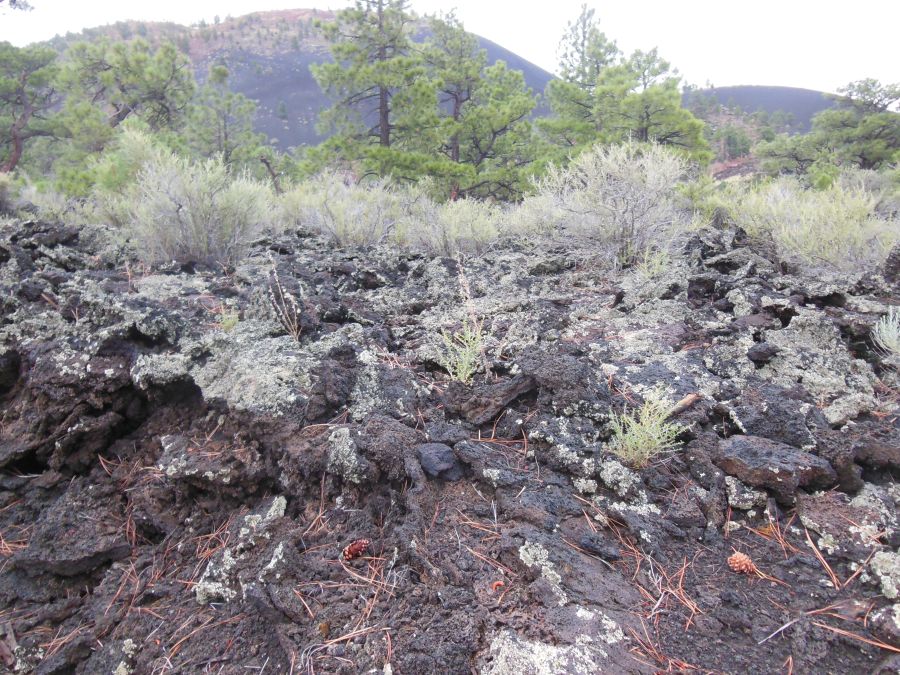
16 542
130 575
307 655
576 547
490 530
852 611
285 305
207 545
667 586
302 599
318 523
670 586
60 641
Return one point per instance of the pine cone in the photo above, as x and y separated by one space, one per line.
741 563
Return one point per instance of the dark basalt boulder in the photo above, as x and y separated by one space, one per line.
775 466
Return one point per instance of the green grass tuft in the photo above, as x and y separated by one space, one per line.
644 433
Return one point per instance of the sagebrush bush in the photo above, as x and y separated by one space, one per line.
351 214
116 173
179 209
884 186
645 433
837 225
6 191
886 334
536 214
119 166
51 204
377 211
623 197
464 225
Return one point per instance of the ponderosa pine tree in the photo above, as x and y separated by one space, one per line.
486 133
860 131
27 97
640 99
602 97
585 52
131 78
82 133
869 96
384 116
455 63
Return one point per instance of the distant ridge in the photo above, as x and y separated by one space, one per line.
268 55
802 103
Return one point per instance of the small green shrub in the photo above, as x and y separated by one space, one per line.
837 225
118 167
180 209
463 351
229 319
653 262
705 197
645 433
886 334
116 173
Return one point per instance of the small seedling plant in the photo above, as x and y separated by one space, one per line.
642 434
463 350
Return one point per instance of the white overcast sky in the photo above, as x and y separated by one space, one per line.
820 44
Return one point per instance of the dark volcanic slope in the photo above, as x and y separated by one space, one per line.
177 491
284 77
802 103
276 79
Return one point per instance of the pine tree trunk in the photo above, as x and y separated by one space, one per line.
15 154
17 136
384 110
454 140
384 117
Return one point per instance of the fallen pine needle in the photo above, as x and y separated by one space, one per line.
854 636
208 624
587 553
788 665
491 561
831 575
